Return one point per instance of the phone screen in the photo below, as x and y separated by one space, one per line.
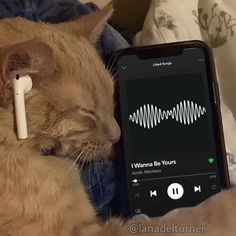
169 138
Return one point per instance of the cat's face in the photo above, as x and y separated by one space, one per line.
77 108
70 110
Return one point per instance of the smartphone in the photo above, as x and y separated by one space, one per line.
172 151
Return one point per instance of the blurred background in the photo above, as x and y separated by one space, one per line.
128 14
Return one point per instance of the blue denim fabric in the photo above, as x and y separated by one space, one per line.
99 178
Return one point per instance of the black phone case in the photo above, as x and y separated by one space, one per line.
120 204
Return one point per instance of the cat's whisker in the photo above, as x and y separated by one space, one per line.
77 169
114 61
76 175
90 161
114 74
83 162
73 153
108 63
96 171
83 159
115 55
87 170
73 164
79 156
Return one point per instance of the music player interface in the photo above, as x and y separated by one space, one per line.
168 136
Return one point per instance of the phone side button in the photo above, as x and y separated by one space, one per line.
216 93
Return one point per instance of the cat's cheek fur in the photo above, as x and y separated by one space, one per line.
39 200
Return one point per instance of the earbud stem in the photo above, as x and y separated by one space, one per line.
21 86
20 114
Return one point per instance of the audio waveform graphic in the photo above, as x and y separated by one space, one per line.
186 113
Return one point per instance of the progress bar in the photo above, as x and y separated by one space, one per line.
170 177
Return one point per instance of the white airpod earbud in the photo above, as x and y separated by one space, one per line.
21 85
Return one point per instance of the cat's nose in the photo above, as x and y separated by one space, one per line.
114 140
115 133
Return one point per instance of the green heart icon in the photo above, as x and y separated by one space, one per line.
211 160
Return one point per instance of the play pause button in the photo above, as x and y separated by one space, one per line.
175 191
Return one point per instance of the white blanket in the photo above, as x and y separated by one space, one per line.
213 22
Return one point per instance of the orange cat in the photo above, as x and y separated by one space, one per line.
69 113
70 117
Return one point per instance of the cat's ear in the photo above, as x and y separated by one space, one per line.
89 26
28 58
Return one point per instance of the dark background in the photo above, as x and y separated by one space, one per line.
169 136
